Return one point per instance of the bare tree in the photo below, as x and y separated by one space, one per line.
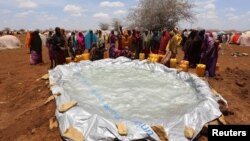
7 30
116 23
157 14
104 26
22 30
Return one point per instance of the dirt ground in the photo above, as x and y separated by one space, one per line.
23 116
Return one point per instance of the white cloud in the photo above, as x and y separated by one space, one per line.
45 15
120 12
211 15
73 10
210 6
206 15
230 9
232 18
248 13
23 14
101 16
206 9
111 4
27 4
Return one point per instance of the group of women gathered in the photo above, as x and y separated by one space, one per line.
200 47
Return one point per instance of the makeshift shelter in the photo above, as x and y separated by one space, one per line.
245 40
235 38
139 94
43 38
9 42
247 33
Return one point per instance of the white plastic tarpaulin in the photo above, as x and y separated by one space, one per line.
138 93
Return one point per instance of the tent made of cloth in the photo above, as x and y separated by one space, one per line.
235 38
9 42
247 33
245 40
43 38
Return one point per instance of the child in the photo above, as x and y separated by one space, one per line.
97 53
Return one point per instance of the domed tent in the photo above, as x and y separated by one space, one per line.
245 39
235 38
247 33
9 42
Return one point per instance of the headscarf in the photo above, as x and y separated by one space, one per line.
209 41
202 33
80 39
58 31
36 42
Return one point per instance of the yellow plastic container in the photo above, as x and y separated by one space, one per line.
200 70
85 56
105 55
185 62
184 67
68 60
78 58
141 56
151 57
75 60
160 58
154 58
173 63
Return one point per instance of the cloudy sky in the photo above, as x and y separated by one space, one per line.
87 14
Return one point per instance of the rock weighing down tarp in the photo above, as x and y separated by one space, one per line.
137 93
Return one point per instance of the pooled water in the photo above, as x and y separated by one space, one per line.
131 93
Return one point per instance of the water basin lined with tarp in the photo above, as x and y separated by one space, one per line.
134 92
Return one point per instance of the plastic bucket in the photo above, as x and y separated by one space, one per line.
173 63
200 70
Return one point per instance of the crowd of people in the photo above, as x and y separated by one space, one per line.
201 47
198 46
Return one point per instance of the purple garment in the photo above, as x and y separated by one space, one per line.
112 39
51 53
80 41
35 57
126 53
36 49
209 54
112 51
